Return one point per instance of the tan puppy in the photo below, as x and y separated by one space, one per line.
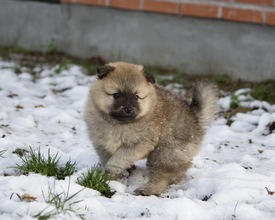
130 118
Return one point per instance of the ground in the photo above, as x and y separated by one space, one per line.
232 177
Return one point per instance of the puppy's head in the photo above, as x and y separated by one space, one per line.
123 91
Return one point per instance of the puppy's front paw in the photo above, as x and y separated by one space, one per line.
113 171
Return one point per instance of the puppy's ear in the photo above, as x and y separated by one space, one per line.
150 78
104 71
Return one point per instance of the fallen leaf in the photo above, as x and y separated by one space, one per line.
19 107
25 197
12 95
28 198
241 109
39 106
260 151
269 192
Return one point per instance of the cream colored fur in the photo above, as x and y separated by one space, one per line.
167 130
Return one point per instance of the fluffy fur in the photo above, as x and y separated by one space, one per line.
130 118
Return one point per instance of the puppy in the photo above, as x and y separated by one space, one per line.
130 118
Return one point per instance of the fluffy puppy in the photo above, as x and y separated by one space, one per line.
130 118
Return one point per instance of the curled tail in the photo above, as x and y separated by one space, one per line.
204 102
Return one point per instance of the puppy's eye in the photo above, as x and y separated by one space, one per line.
117 95
137 97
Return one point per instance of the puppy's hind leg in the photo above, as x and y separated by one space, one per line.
155 186
166 167
160 179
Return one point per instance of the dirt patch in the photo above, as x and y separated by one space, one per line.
32 59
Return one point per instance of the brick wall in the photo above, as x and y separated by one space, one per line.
251 11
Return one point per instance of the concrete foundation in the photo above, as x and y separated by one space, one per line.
196 46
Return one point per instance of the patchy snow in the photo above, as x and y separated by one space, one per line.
227 179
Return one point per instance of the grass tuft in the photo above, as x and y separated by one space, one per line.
221 79
64 65
234 102
96 180
62 203
37 163
264 91
67 170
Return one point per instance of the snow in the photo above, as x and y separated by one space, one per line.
227 180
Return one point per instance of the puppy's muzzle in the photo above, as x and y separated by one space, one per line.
128 109
125 113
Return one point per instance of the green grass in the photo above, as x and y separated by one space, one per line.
49 166
88 67
51 56
265 91
64 65
96 180
60 202
51 48
234 102
221 78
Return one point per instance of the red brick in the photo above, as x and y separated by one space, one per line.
256 2
199 10
161 6
92 2
270 18
244 15
125 4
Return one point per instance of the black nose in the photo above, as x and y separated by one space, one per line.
128 110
